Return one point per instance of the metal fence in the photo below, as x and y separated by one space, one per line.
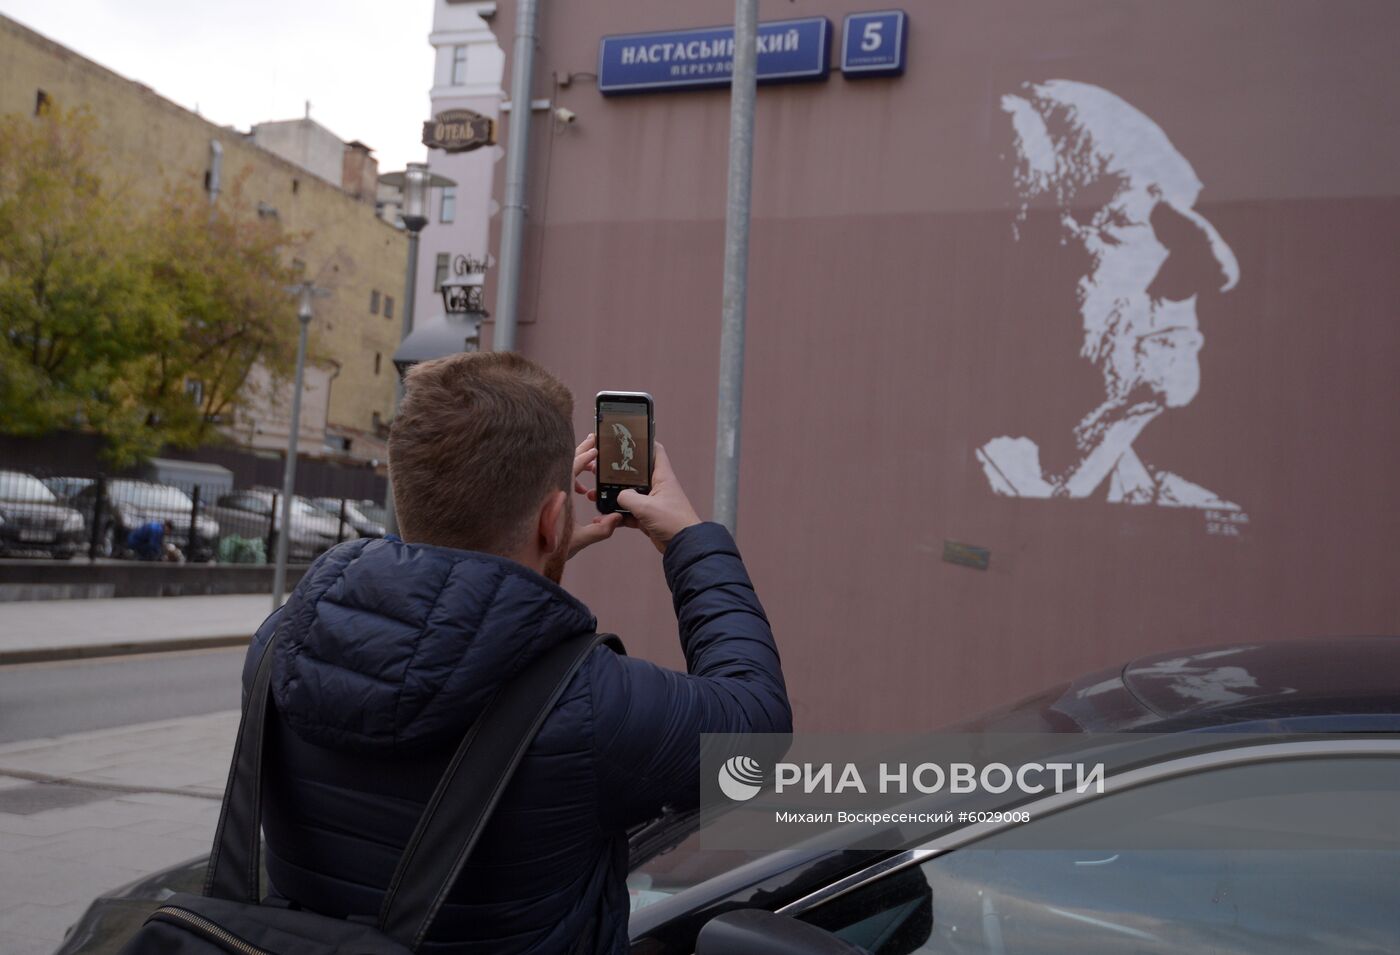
119 518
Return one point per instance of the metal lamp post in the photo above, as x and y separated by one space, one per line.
736 264
415 182
307 292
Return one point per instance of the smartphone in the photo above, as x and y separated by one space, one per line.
626 429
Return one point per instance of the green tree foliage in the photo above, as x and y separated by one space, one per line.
110 308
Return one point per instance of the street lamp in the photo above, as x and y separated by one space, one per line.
414 182
306 292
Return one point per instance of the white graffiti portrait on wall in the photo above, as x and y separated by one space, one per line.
1125 199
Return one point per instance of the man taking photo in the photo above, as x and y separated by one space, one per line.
390 649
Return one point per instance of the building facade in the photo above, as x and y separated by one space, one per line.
466 75
156 145
1073 342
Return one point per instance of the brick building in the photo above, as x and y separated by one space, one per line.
156 145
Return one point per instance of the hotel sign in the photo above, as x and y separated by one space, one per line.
788 51
459 131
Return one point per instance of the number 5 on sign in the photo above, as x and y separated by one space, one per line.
874 44
870 39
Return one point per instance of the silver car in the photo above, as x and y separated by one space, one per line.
32 521
250 514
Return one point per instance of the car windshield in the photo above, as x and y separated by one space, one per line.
332 505
374 512
138 494
669 856
24 488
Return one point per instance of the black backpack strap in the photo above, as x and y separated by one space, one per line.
233 864
472 785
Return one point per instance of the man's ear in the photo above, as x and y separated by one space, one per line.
551 529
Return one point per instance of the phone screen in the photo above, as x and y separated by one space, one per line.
624 447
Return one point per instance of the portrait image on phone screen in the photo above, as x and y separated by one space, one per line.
624 447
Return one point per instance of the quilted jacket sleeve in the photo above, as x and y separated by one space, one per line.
648 720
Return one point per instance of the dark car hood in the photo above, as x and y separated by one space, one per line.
1293 677
1214 685
394 647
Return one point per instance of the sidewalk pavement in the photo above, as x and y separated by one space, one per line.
89 812
38 630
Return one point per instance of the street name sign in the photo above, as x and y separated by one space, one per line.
788 51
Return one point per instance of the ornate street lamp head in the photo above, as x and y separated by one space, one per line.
414 183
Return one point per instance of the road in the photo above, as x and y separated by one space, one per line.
50 699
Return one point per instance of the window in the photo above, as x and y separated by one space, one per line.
296 186
376 362
448 211
440 275
374 302
459 66
388 306
1223 879
41 103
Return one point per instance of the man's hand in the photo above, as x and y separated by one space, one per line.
666 511
602 525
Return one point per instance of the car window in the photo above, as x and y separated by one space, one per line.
24 488
993 898
245 502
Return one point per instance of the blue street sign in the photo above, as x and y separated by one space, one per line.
788 51
874 44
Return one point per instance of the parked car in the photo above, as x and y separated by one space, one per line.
374 511
33 521
65 488
364 525
129 504
1267 730
250 514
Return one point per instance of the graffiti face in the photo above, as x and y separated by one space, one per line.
1125 198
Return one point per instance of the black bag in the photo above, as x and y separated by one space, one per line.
228 916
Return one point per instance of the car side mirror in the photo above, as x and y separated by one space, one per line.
756 932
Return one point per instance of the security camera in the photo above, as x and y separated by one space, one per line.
566 116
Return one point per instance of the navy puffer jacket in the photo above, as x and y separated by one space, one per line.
388 653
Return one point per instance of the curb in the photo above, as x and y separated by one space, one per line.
120 649
81 782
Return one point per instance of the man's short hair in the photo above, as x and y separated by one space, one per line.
478 441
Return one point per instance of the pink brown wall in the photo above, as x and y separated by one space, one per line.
896 326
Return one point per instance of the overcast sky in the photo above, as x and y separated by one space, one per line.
365 65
